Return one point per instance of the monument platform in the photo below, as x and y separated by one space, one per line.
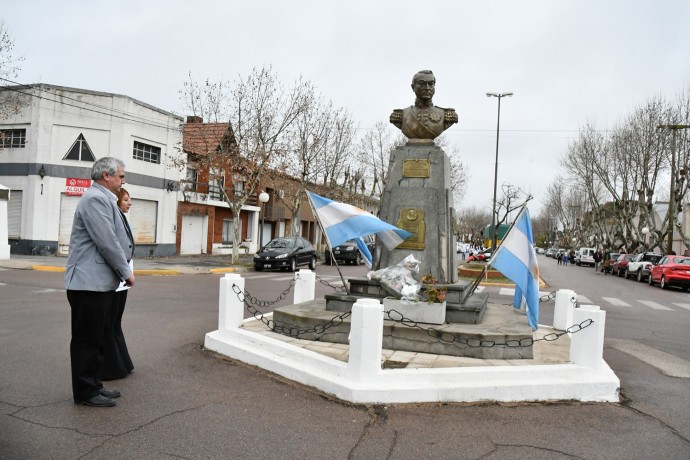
500 325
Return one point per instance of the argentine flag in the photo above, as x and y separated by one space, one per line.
343 222
516 259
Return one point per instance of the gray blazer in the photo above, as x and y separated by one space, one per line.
100 246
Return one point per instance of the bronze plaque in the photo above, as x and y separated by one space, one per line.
412 220
416 168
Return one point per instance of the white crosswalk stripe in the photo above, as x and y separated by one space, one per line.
616 302
654 305
683 305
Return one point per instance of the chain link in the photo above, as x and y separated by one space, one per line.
326 283
395 316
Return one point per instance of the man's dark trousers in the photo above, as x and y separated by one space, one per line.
90 311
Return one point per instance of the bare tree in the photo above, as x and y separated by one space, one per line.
375 148
470 224
11 100
260 111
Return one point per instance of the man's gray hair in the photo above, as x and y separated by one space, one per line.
106 164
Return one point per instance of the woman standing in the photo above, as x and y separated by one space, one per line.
116 361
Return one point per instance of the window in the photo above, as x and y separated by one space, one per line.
148 153
191 180
12 138
80 150
229 230
239 188
216 185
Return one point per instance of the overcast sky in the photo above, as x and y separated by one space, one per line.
567 62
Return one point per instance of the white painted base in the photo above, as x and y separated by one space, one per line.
420 312
4 251
466 384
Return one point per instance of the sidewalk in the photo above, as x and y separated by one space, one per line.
175 265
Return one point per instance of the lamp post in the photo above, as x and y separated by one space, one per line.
672 197
263 198
498 126
645 231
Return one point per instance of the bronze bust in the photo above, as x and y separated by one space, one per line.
423 120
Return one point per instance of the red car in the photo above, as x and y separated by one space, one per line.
621 263
671 271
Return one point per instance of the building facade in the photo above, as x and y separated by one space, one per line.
47 151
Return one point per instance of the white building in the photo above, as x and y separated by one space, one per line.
46 154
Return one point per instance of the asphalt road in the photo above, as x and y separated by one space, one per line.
185 402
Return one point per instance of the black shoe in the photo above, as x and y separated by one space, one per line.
96 401
112 394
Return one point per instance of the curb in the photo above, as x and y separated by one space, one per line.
48 268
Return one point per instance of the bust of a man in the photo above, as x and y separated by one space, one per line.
423 120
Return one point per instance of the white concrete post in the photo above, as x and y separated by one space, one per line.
563 311
305 286
366 336
4 218
587 345
230 304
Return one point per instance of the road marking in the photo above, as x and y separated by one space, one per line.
667 363
654 305
683 305
43 291
616 302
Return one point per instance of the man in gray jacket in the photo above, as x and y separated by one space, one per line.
100 248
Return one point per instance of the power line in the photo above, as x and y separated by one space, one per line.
129 118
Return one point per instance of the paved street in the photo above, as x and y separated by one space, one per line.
185 402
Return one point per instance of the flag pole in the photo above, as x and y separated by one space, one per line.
328 242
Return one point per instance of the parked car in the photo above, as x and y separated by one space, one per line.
585 256
551 252
671 270
634 268
540 250
347 252
613 256
620 264
286 252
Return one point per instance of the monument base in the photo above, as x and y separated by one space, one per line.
500 324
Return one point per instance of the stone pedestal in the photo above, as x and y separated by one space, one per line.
417 198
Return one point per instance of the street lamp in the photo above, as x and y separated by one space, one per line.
671 214
263 198
645 231
498 125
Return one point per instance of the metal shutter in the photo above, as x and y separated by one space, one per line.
68 206
14 214
143 216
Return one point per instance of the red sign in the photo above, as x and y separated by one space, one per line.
76 187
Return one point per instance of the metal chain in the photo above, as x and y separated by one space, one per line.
267 303
395 316
326 283
280 327
449 337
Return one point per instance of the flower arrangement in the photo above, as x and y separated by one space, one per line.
434 293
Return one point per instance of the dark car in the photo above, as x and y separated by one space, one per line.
671 271
347 252
286 252
620 264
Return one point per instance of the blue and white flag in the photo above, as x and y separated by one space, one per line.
343 222
516 259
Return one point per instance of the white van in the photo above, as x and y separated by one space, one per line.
585 256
